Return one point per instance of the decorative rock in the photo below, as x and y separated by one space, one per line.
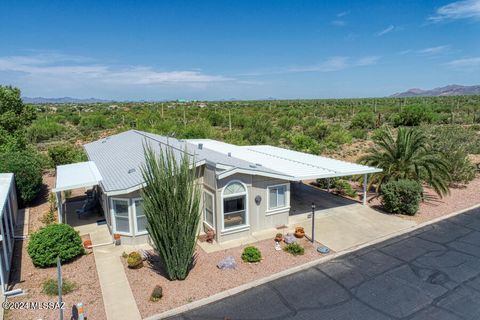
227 263
289 238
323 249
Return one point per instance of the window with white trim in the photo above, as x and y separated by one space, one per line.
141 219
208 208
234 206
120 212
277 197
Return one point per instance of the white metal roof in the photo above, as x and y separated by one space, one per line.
77 175
6 180
293 165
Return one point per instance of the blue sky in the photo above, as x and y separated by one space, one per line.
237 49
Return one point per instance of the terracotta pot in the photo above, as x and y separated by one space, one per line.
210 235
87 244
117 238
299 232
278 237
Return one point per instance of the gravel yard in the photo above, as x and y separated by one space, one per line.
26 276
205 279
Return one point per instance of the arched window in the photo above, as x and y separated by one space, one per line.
234 205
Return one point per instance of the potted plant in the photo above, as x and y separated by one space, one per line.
278 237
210 235
87 244
299 232
117 239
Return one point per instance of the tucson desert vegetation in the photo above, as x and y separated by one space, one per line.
446 128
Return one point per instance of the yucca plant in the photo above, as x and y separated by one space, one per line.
407 155
171 200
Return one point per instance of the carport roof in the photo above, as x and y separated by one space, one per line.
293 165
77 175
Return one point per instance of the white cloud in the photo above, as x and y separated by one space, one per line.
330 64
430 51
388 29
433 50
342 14
465 63
338 23
467 9
62 69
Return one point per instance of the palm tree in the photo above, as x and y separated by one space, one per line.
407 156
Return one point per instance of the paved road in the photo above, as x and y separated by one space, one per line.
431 273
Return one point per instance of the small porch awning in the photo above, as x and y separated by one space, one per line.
77 175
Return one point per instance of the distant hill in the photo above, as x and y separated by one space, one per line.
451 90
62 100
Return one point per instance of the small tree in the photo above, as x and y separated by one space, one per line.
172 208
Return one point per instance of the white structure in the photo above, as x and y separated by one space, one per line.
245 188
8 214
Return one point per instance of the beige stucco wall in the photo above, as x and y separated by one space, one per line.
258 216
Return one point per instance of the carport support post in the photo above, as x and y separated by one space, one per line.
59 206
313 222
365 180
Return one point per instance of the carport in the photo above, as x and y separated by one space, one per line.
74 176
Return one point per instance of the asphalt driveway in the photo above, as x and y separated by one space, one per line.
431 273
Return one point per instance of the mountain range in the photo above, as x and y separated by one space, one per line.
450 90
62 100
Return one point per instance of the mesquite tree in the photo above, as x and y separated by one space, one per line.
171 201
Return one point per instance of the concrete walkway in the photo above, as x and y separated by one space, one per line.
117 294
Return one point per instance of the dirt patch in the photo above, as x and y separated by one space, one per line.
26 276
205 279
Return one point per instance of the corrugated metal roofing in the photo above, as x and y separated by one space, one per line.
297 165
120 157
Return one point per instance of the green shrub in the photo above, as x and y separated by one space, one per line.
295 249
157 293
359 134
363 120
48 217
412 116
65 154
27 166
55 240
303 143
402 196
134 260
344 188
323 183
50 287
43 130
251 254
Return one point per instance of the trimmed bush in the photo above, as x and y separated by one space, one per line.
402 196
134 260
55 240
251 254
295 249
157 293
50 287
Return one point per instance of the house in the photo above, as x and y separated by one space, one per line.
245 189
8 214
